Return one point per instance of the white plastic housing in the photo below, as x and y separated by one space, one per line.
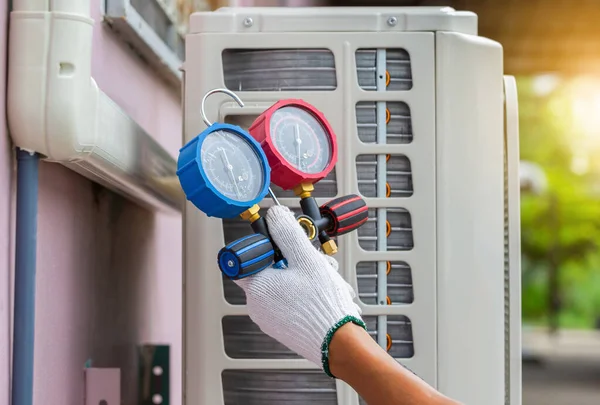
465 339
56 109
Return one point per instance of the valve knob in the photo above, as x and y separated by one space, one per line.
246 256
346 214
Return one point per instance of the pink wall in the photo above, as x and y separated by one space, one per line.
109 272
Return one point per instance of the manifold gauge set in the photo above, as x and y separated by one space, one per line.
226 171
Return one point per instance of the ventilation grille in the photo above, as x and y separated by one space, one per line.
277 387
398 122
244 340
400 336
398 175
400 343
399 230
398 74
279 70
235 228
398 280
233 293
506 282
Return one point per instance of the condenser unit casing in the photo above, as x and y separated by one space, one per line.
426 125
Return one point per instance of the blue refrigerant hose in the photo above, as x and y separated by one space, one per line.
25 269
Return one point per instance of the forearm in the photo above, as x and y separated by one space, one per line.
357 359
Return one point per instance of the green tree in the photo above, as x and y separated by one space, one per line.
560 227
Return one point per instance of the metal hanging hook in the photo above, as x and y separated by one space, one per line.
241 104
225 91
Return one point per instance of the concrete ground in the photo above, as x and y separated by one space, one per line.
564 370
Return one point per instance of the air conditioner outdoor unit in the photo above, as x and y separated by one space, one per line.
427 129
56 109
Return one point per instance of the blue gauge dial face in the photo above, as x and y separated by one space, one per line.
232 166
301 139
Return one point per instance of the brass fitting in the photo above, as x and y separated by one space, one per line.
308 226
251 214
329 248
303 190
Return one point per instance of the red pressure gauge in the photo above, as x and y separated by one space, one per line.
299 143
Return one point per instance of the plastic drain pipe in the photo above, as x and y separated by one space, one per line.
25 269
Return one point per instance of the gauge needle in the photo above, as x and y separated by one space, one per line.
230 171
298 142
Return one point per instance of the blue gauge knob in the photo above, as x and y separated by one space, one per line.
223 171
246 256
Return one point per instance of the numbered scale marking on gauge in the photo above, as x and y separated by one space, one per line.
301 139
232 166
223 171
298 141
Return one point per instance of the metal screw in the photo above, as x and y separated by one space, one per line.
392 21
230 263
248 22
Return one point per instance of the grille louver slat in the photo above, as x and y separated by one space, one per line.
398 175
398 67
276 387
399 283
400 237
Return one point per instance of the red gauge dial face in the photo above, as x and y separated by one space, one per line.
301 139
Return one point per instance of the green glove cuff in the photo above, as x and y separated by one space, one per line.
329 336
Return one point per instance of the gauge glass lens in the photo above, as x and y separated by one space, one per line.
301 139
232 166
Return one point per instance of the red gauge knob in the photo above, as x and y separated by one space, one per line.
345 213
299 143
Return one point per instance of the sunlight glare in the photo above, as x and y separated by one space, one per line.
586 109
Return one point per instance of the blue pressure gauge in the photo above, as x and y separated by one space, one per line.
223 171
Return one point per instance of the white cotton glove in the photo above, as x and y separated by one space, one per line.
303 305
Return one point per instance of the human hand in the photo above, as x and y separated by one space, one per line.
303 305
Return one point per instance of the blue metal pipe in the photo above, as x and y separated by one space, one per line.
25 268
